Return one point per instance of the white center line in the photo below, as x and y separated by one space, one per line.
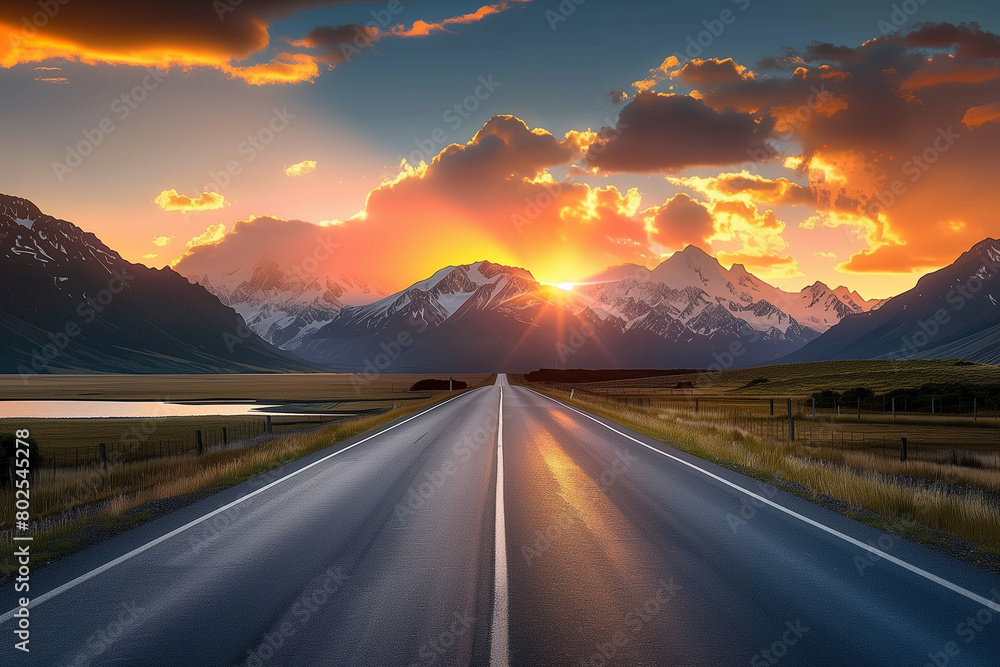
986 602
499 636
163 538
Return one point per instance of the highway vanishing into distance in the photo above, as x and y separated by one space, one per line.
501 527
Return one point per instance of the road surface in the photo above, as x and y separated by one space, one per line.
613 549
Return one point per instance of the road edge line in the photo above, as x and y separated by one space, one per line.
73 583
944 583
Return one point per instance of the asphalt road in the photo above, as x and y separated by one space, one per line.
613 549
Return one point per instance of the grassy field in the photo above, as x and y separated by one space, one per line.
70 506
801 380
75 442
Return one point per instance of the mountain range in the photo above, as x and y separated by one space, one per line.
72 304
77 306
485 315
950 314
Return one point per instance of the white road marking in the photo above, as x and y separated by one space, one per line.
499 635
163 538
986 602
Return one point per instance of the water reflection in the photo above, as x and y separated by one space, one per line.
108 409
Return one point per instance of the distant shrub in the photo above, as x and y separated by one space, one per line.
864 393
826 395
437 385
755 382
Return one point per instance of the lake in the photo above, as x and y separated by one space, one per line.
146 409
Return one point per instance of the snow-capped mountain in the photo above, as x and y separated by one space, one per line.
284 306
488 316
285 277
815 307
430 324
650 305
70 303
951 313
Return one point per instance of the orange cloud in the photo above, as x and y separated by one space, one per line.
884 130
300 168
50 78
657 74
170 200
284 68
213 235
425 28
977 116
748 188
168 35
933 76
161 241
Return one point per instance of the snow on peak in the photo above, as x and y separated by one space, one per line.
25 222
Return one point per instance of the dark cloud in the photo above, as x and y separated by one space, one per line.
617 96
713 72
341 43
503 148
827 52
970 40
658 132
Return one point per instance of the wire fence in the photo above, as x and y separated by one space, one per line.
137 446
942 435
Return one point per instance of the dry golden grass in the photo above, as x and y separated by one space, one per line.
858 478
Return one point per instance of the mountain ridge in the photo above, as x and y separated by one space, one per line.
77 306
950 313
